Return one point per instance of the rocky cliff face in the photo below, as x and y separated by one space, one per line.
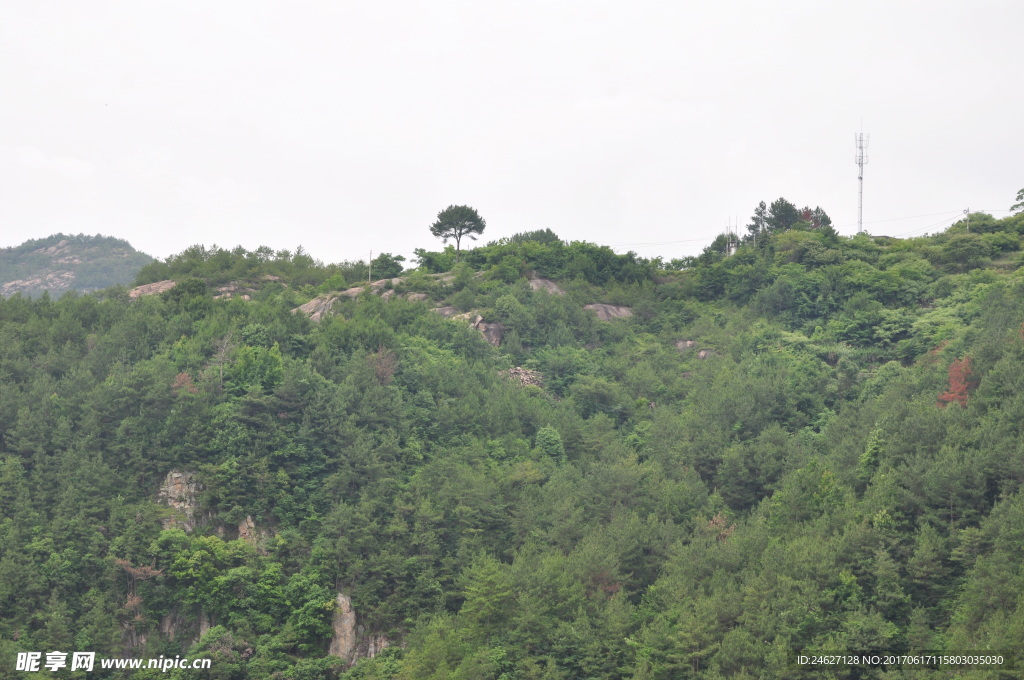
343 644
152 288
351 642
537 283
316 308
180 491
606 312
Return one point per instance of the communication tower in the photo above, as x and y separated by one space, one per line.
860 159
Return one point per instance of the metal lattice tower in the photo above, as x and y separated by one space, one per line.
733 236
860 159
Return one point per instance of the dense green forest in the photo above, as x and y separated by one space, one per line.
805 443
60 263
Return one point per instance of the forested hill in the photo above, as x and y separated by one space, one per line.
61 263
547 461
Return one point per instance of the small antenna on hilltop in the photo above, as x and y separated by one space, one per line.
369 268
860 159
732 238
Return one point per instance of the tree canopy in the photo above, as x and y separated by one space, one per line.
455 222
807 443
1018 207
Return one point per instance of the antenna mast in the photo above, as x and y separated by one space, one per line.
860 159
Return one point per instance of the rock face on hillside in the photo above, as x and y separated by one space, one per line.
608 312
317 307
53 281
378 286
493 332
152 288
525 376
684 345
537 283
350 641
180 491
234 289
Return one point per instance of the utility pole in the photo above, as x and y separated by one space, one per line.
860 159
369 268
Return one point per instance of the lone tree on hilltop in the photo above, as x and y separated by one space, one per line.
457 221
1018 207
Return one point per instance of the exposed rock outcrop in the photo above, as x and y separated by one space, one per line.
204 623
537 283
152 288
234 290
353 292
494 333
607 312
52 280
343 644
378 286
372 646
683 345
132 638
447 312
248 532
350 642
317 307
525 376
175 625
180 491
56 248
171 624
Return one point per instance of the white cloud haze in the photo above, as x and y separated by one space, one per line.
345 127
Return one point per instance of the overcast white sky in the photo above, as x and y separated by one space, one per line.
346 126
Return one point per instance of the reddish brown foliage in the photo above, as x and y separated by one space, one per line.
183 381
384 363
959 377
137 573
717 527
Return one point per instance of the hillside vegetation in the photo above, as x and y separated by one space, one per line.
814 443
61 263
